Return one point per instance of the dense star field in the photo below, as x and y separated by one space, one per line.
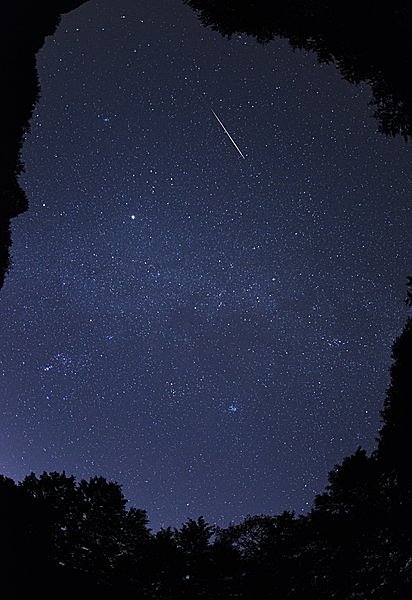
210 331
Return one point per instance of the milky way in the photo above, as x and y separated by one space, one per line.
213 333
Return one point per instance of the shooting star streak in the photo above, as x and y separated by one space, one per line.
228 134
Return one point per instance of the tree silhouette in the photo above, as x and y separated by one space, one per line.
228 571
395 442
25 548
193 540
92 531
368 42
355 543
130 572
346 521
274 555
165 567
394 457
24 26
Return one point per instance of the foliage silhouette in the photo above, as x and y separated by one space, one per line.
354 543
368 42
59 534
395 443
23 28
24 541
92 531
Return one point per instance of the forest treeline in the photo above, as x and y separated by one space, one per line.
60 537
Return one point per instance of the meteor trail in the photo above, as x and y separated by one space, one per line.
228 134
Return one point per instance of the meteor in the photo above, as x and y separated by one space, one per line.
228 134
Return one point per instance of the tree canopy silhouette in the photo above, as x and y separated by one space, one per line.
367 41
395 442
354 543
24 27
91 528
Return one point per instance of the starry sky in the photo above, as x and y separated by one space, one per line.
213 332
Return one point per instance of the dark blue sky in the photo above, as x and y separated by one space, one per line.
213 333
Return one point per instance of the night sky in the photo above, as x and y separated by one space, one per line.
212 332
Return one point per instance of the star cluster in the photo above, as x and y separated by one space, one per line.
214 333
